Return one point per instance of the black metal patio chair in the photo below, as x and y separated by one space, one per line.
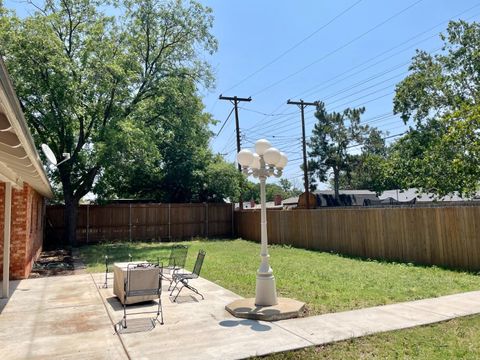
176 262
109 260
183 279
142 280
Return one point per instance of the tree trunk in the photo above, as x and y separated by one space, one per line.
72 193
70 221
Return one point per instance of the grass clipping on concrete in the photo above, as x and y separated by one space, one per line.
325 282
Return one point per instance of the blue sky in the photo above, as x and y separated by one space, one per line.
369 44
352 54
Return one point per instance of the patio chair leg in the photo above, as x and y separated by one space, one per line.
105 284
180 289
160 310
194 290
171 282
176 284
125 313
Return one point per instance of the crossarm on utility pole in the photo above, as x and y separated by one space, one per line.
235 100
302 104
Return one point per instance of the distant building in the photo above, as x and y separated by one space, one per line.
326 198
410 194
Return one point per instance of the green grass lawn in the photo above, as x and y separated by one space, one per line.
328 283
454 339
325 282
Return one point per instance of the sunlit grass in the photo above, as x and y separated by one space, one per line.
325 282
454 339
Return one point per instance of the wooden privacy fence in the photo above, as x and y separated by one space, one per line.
145 221
444 236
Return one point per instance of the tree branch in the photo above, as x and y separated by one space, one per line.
85 183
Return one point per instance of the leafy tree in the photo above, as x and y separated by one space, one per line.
441 157
441 97
289 190
368 168
252 192
272 190
81 74
285 184
222 181
331 138
374 142
175 127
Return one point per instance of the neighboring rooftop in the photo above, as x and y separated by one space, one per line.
413 193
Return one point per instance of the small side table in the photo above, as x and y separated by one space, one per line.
119 276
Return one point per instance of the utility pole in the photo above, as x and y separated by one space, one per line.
235 100
302 104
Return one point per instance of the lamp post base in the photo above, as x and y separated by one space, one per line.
247 309
266 291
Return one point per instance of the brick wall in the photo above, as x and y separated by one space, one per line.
26 239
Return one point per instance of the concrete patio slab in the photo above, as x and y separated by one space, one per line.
58 318
199 329
323 329
451 306
72 317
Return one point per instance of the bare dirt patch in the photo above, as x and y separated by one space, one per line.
53 263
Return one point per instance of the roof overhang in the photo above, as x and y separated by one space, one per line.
19 159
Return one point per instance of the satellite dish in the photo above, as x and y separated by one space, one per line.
49 154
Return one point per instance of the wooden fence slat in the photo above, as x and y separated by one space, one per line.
149 221
445 236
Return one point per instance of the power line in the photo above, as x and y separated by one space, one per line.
265 114
229 140
228 117
325 85
373 77
338 49
361 90
289 126
384 138
293 47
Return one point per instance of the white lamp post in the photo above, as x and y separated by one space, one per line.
267 161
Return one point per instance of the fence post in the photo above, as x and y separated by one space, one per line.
130 222
88 220
233 220
169 233
206 220
155 208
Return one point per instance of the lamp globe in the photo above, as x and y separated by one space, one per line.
283 161
272 156
245 157
256 162
261 146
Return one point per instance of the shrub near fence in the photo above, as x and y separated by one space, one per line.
158 222
444 236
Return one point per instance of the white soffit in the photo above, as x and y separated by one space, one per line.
19 159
